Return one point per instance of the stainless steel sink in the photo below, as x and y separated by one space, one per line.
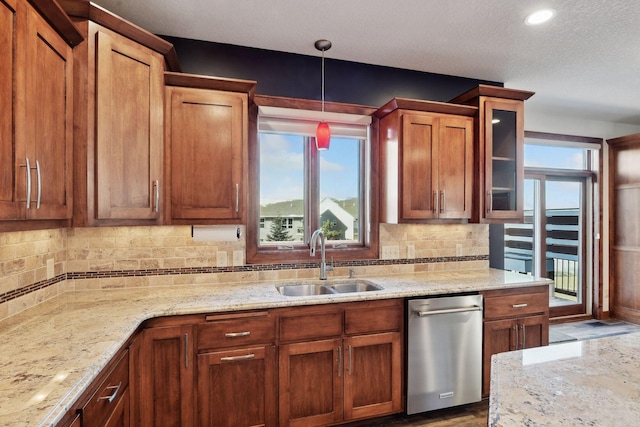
304 289
355 286
341 287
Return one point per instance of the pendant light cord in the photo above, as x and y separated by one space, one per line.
323 85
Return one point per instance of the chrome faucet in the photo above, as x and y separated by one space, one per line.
323 263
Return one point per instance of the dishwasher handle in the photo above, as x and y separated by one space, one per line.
447 311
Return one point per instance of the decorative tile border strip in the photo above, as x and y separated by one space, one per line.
8 296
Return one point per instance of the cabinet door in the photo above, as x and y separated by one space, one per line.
455 167
310 383
166 394
237 388
533 332
504 159
498 336
208 145
49 120
419 179
10 160
372 375
129 129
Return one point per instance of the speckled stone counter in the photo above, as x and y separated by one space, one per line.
51 353
582 383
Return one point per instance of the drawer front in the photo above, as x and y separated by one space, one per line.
375 319
107 396
516 305
311 326
236 332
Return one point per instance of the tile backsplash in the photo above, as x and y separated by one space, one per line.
37 265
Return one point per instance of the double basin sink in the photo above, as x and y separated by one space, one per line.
338 287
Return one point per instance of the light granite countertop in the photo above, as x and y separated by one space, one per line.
581 383
51 352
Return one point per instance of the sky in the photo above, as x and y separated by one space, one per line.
282 173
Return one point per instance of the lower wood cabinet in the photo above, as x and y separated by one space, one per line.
328 380
167 377
237 387
514 320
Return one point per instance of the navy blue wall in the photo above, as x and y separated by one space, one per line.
299 76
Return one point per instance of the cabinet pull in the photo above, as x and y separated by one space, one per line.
110 398
489 202
39 181
28 166
237 197
350 360
237 334
186 351
516 329
236 358
156 192
443 203
435 201
339 361
524 337
519 305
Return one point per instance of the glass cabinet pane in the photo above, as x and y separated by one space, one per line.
504 161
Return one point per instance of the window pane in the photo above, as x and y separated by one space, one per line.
520 239
546 156
563 225
281 188
340 200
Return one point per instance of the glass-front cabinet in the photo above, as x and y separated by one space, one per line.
504 148
499 153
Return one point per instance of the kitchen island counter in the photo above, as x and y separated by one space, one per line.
581 383
52 352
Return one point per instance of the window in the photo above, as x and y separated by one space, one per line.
560 199
300 189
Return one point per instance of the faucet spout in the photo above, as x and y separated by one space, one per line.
318 234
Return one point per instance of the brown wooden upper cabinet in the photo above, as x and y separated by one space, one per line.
119 124
206 145
426 161
499 153
36 103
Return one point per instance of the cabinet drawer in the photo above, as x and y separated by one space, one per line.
230 332
108 394
373 319
311 326
516 305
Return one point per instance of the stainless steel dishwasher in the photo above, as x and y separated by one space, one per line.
444 357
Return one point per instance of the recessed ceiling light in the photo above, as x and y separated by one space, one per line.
540 17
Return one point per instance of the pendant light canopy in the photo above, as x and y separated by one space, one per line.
323 133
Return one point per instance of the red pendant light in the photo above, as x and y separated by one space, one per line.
323 133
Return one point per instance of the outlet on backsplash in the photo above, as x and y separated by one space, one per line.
238 257
411 251
221 259
51 271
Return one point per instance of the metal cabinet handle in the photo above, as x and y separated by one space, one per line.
236 358
39 175
435 201
28 166
339 361
350 360
110 398
519 305
516 329
237 334
237 197
489 202
186 351
156 191
524 337
443 204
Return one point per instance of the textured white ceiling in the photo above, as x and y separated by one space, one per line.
585 63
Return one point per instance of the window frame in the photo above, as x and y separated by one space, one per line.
256 254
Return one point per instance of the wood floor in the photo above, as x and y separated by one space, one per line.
472 415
